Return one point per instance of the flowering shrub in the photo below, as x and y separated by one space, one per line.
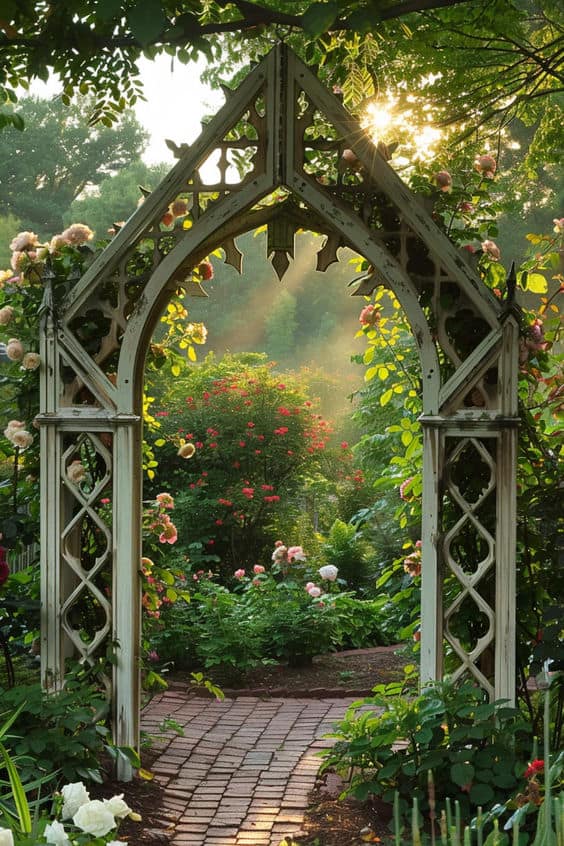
289 611
251 438
75 820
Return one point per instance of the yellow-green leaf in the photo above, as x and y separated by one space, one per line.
386 397
145 774
160 442
383 373
537 283
175 370
192 353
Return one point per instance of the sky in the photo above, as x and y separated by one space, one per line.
176 102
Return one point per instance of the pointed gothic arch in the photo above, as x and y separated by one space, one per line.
469 376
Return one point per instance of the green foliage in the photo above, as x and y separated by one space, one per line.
9 225
266 616
117 197
346 549
58 155
280 329
477 750
468 215
471 57
59 734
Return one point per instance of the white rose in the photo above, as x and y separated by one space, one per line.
314 591
75 795
14 349
6 314
329 572
6 837
55 833
21 438
76 472
31 361
117 806
94 818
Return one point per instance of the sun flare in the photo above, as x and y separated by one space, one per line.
406 124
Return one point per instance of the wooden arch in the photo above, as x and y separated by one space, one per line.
469 375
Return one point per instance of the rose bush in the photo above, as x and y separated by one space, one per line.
256 446
75 820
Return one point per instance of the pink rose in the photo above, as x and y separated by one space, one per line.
491 250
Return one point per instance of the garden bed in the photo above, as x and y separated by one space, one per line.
351 673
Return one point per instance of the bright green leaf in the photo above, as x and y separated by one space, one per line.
386 397
537 283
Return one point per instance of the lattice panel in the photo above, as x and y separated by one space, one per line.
86 545
469 555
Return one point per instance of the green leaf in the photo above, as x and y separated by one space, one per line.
386 397
146 20
424 734
462 773
319 18
108 9
537 283
481 794
20 799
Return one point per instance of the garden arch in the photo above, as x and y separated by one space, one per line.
91 394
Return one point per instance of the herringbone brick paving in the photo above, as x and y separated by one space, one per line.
241 773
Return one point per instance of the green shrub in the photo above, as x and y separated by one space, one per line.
346 549
58 732
477 750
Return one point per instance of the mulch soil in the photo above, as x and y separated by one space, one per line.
329 821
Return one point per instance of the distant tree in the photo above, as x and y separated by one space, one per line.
9 225
281 327
116 198
46 167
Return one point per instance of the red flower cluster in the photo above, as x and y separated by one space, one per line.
536 766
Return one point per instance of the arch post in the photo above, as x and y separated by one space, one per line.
126 590
431 657
506 517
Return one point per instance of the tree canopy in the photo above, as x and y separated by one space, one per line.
484 61
46 167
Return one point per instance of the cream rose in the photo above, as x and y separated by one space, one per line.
75 795
55 834
94 818
117 806
31 361
14 349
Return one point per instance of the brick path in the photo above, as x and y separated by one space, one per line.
241 773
